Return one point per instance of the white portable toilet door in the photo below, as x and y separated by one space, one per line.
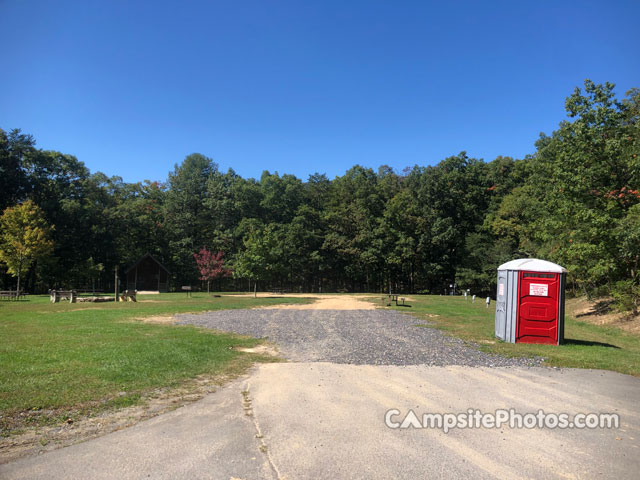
501 311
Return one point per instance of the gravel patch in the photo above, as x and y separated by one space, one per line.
359 337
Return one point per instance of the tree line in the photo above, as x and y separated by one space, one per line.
573 201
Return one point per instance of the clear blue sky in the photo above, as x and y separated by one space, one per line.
131 88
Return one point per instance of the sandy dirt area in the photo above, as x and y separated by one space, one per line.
321 302
263 349
163 319
602 312
328 301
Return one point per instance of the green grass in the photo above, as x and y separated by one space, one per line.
587 345
90 356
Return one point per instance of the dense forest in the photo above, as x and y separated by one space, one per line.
573 201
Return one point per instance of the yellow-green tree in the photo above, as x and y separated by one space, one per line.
24 237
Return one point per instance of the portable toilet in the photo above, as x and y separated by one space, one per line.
530 301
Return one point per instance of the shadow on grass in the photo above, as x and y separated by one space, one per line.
588 343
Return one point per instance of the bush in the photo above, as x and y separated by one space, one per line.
626 294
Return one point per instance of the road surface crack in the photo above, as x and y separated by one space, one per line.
248 411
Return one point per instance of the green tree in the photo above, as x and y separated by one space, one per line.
400 223
580 183
627 291
452 200
24 238
14 180
187 215
260 259
353 213
137 220
281 196
302 243
77 203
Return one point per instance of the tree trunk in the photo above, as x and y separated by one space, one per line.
255 289
18 287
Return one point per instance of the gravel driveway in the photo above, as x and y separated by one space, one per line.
360 337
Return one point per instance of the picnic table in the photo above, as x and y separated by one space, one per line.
129 295
12 294
392 297
57 295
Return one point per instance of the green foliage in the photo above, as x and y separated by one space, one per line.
261 259
626 294
627 233
14 183
576 206
186 213
573 201
24 237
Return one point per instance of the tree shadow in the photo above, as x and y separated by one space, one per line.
601 307
588 343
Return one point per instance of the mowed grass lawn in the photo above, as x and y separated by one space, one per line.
587 345
90 356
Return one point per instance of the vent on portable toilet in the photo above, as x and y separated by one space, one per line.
530 301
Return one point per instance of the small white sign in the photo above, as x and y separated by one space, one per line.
539 290
501 289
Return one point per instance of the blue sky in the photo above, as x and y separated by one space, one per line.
131 88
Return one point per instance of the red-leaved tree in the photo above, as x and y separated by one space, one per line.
211 266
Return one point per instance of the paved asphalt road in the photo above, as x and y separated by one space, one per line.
326 420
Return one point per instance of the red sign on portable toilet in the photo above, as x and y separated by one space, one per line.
530 302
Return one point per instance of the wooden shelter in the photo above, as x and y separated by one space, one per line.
147 275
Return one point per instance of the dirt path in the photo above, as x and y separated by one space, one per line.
324 302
